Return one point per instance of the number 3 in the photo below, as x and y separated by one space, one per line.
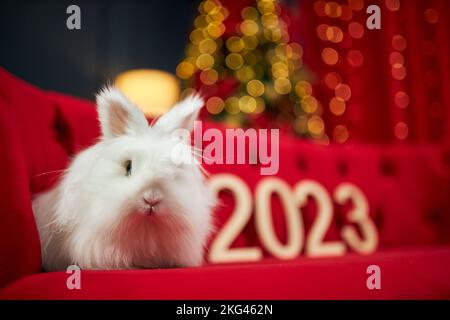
360 216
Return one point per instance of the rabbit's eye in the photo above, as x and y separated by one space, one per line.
128 166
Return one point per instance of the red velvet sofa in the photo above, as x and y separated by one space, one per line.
407 188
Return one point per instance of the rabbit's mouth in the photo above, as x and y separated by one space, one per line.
149 211
152 205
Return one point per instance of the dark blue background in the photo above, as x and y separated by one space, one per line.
115 35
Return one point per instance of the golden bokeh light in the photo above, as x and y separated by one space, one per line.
315 125
396 58
209 76
343 91
398 42
196 36
319 8
273 34
332 79
205 61
398 72
249 13
430 16
260 105
283 51
280 70
355 58
347 13
192 50
207 6
301 124
245 74
185 70
321 31
333 9
255 88
250 42
200 22
249 27
330 56
282 85
355 30
309 104
401 130
356 5
234 61
266 6
251 58
269 20
215 29
187 92
334 34
216 15
392 5
340 134
297 50
215 105
303 88
232 105
234 44
337 106
207 46
247 104
401 99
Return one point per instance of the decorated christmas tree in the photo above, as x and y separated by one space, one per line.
250 71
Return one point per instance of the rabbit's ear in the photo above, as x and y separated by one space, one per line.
181 116
117 115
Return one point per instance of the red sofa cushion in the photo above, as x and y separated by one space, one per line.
19 243
39 130
406 274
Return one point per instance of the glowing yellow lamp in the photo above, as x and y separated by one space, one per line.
154 91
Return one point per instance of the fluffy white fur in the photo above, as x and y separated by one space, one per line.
97 216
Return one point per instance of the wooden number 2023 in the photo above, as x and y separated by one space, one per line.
292 200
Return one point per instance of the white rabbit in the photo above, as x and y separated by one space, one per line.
125 202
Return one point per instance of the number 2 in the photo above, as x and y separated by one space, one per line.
220 250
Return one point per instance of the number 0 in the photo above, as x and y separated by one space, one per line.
263 219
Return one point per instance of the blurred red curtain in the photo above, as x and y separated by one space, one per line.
396 79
